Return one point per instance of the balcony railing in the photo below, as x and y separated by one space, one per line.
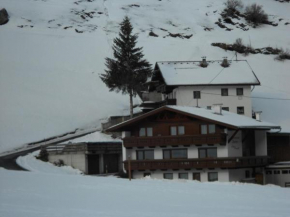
130 142
224 163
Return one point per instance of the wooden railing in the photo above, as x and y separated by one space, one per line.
230 162
130 142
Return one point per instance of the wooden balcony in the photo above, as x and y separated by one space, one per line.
224 163
130 142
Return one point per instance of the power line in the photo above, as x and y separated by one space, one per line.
252 97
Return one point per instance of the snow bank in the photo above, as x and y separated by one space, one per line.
30 163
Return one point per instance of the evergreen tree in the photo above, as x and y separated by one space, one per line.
128 71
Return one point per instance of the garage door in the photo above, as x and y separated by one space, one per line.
111 163
93 164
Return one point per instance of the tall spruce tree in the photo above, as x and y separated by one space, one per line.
128 71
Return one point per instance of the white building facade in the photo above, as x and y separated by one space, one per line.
190 83
196 144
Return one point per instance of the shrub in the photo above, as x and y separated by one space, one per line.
43 155
233 5
254 13
238 45
59 163
283 55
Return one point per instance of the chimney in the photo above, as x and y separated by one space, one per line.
203 63
217 108
258 115
225 62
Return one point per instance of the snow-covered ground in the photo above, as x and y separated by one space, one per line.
52 53
55 192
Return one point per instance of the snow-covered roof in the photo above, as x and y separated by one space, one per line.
228 119
93 137
282 164
191 73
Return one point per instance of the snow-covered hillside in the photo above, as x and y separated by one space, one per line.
52 52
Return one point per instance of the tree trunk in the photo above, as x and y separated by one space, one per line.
131 104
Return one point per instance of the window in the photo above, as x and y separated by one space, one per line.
183 175
247 174
276 171
175 154
196 94
180 130
212 176
225 92
205 129
240 110
211 128
142 132
196 176
240 91
269 172
173 131
149 131
207 152
225 108
147 174
284 171
168 175
145 155
146 131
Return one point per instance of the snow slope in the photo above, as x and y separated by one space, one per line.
35 194
52 53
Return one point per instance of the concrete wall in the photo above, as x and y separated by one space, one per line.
76 160
223 175
261 142
212 95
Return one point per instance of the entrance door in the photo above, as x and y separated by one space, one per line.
196 176
259 178
93 164
111 163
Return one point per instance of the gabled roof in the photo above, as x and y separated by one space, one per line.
227 119
179 73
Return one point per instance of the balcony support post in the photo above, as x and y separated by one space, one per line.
231 138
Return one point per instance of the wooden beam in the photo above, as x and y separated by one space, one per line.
245 137
231 138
